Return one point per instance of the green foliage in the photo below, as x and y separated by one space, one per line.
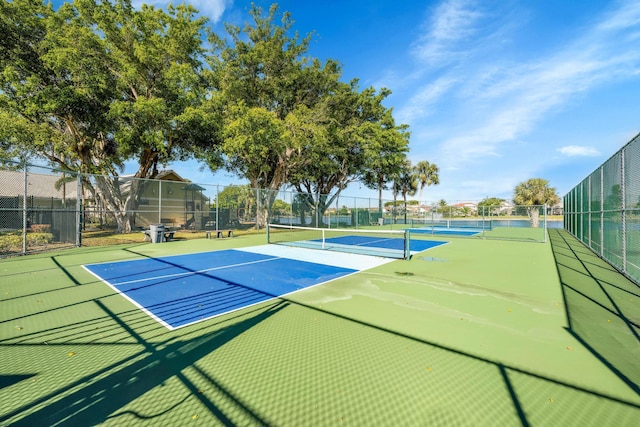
535 191
12 241
234 196
491 201
95 84
427 174
267 91
490 206
613 199
387 148
255 141
399 203
280 207
406 182
357 126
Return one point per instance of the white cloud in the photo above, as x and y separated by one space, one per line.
419 104
627 16
212 9
577 150
503 103
452 23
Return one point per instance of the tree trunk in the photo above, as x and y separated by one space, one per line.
264 202
380 184
395 197
534 215
121 207
404 196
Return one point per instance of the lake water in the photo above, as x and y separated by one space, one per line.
523 223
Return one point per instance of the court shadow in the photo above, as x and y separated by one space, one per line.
9 380
98 400
601 306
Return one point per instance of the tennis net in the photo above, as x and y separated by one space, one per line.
383 243
476 224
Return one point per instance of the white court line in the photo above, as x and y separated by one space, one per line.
344 260
334 259
130 299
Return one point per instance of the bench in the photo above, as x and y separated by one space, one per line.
219 233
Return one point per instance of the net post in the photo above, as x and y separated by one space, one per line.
267 232
544 236
407 244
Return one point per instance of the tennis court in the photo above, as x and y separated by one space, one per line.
443 231
184 289
380 243
473 332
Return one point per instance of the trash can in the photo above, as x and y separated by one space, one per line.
157 233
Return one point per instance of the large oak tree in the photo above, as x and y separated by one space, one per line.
96 83
266 90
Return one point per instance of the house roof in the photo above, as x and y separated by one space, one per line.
44 185
166 175
38 185
163 175
466 205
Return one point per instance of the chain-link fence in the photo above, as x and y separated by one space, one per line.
603 211
44 208
39 209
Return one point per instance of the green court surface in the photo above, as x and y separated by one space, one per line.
475 332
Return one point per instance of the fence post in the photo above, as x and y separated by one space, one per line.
355 209
589 214
218 208
79 211
623 213
581 214
601 211
544 239
160 203
24 211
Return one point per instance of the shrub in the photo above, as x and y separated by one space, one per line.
40 228
38 239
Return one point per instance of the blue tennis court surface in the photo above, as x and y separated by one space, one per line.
384 243
184 289
446 231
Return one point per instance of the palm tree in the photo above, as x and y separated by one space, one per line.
533 193
406 183
427 174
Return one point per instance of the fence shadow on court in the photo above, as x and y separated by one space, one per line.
101 395
602 306
334 350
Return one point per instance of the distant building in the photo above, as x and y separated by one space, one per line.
43 190
466 208
50 199
171 200
168 199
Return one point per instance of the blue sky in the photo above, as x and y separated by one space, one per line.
494 92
